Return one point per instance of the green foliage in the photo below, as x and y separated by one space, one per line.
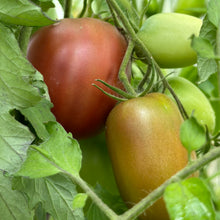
9 200
40 162
189 200
22 12
58 153
55 193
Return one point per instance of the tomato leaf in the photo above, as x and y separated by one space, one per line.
21 90
44 4
16 89
38 116
213 12
79 200
9 200
189 200
57 154
55 193
22 12
207 66
192 134
14 141
203 47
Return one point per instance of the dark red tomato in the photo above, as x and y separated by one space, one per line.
71 54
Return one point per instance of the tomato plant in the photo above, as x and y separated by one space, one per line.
143 141
71 54
167 36
138 167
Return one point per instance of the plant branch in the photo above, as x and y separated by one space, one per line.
122 71
144 80
130 30
80 182
166 85
139 208
83 11
68 9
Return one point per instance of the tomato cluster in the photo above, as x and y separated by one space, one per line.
142 134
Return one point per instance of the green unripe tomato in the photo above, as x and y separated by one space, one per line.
167 36
193 100
191 7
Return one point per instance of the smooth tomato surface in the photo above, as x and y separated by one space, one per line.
143 141
168 38
71 55
194 101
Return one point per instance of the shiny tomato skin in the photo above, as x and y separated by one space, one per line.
143 141
71 55
168 38
193 100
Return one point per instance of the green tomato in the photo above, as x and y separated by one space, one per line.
193 100
143 140
167 36
191 7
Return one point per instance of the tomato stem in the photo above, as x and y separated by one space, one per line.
150 84
166 85
122 71
83 11
112 88
115 19
84 186
68 9
129 28
143 13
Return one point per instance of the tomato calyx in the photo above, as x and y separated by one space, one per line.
153 81
145 85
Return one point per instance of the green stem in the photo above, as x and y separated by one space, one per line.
114 17
144 12
83 9
68 9
167 85
124 65
24 38
139 208
131 31
84 186
144 80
